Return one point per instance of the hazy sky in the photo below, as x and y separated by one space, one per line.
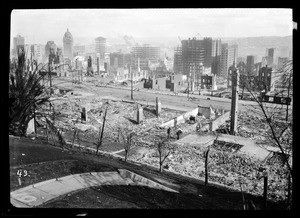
40 26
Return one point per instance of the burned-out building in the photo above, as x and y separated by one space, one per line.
142 56
156 83
175 82
159 83
49 48
208 82
229 57
264 78
123 73
18 44
117 59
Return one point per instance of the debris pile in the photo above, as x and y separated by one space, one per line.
225 166
231 169
122 115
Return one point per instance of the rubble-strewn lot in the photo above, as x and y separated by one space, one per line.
234 170
119 115
231 169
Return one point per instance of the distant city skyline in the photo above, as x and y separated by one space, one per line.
40 26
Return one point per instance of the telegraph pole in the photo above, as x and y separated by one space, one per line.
234 101
131 81
102 131
188 91
50 77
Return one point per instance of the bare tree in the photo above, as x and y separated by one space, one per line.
164 150
99 142
280 124
206 165
126 139
286 82
276 115
206 155
273 117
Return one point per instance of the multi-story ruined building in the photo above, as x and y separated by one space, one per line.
100 46
196 53
250 64
143 55
228 58
18 43
49 48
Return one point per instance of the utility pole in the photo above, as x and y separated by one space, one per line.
265 190
287 100
102 131
188 91
50 77
131 81
206 163
234 101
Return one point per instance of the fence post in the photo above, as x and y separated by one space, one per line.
75 132
102 131
289 189
265 190
206 170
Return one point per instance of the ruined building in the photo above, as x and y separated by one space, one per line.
177 64
100 46
271 56
49 48
250 64
228 57
216 57
197 53
265 78
208 82
143 55
18 43
193 54
37 51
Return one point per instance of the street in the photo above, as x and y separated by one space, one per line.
167 98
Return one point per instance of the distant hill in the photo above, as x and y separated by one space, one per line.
246 45
257 45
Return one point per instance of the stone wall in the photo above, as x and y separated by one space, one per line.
219 121
206 111
180 119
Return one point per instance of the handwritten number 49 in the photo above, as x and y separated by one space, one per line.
20 173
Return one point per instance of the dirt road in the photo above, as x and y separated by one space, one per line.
167 99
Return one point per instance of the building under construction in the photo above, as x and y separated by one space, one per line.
194 54
177 64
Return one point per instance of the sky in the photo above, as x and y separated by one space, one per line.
40 26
